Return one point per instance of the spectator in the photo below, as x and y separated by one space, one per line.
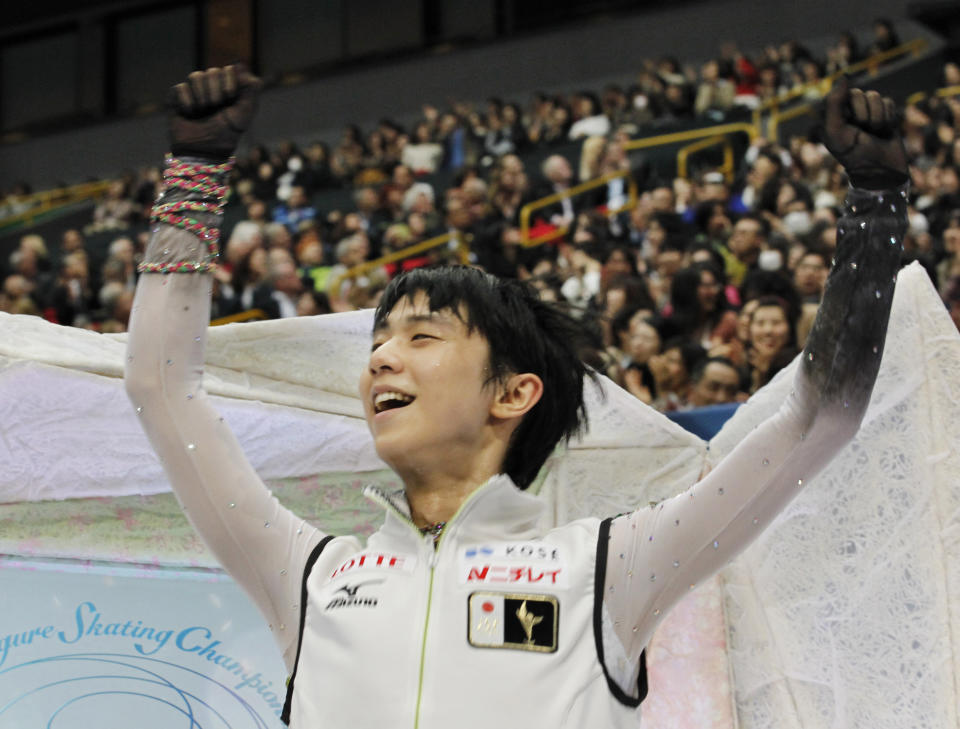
17 201
72 240
624 295
642 344
618 262
452 136
715 93
667 261
557 178
16 295
713 224
714 381
615 106
699 309
122 257
352 293
677 98
115 211
765 165
583 275
264 182
244 238
312 271
810 274
423 155
312 303
747 239
845 53
296 210
588 118
246 277
348 154
283 286
670 370
885 37
772 343
317 173
72 299
949 266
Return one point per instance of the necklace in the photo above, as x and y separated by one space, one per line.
434 530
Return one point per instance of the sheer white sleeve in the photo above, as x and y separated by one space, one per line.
261 544
657 554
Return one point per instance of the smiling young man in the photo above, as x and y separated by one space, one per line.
468 607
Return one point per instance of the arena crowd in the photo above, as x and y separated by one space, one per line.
697 295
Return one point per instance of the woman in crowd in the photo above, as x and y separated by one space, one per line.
772 341
699 309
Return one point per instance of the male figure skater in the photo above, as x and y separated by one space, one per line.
464 609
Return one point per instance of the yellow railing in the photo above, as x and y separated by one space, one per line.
574 191
777 117
43 202
944 93
822 86
461 244
872 63
691 134
727 168
249 315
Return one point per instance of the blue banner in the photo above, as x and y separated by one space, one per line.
117 647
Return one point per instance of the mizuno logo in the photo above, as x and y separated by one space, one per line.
352 599
352 590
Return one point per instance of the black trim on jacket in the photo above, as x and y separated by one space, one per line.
599 577
311 560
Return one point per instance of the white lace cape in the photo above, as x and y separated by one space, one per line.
842 614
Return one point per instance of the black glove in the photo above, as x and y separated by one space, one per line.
211 109
861 129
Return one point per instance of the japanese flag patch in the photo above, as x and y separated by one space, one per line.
515 621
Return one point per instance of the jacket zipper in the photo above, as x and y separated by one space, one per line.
423 641
387 502
434 557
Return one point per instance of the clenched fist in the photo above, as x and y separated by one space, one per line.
211 109
861 130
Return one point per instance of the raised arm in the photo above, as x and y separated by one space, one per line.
657 554
261 544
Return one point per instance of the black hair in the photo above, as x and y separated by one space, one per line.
770 193
593 99
525 334
696 374
688 314
817 250
771 300
716 258
759 283
636 292
759 219
622 319
628 253
690 352
704 211
672 223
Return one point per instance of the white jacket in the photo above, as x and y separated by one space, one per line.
503 610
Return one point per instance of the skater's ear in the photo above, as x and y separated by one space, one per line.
517 396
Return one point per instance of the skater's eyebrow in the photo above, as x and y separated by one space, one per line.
434 317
